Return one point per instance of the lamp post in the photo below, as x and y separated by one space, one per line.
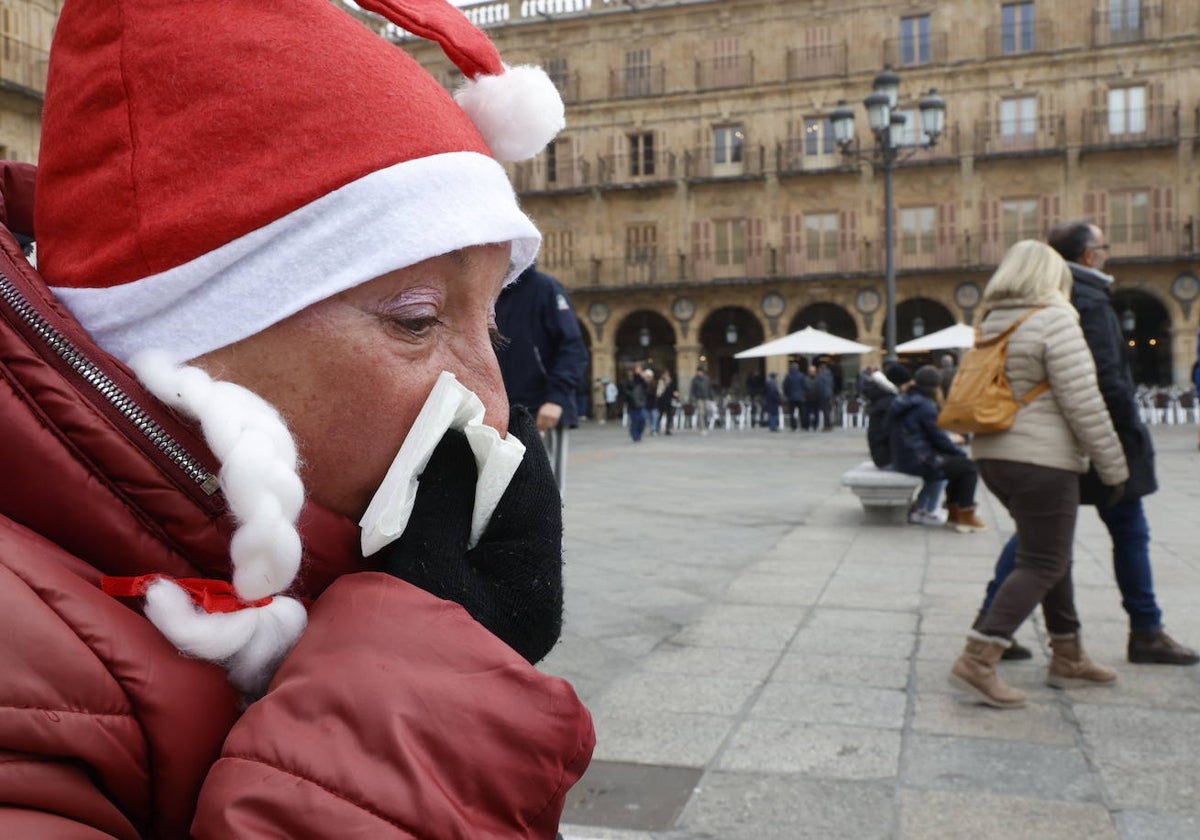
887 125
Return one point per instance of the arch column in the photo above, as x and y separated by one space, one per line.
1183 353
687 359
604 366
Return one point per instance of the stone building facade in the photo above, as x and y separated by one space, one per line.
697 204
26 27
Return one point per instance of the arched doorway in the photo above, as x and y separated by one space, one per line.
647 337
727 331
1146 328
920 316
833 319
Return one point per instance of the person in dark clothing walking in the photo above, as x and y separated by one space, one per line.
795 385
772 401
637 401
811 418
665 400
825 391
543 359
1083 245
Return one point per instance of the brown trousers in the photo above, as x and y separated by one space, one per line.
1044 503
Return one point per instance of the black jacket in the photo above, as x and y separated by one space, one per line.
1091 294
545 358
879 439
918 445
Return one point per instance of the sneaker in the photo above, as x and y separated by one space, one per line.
924 517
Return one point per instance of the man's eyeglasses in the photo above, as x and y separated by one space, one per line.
1103 247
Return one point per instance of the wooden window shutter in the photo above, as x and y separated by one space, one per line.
702 240
754 236
793 243
1162 230
1050 213
947 229
1095 207
847 231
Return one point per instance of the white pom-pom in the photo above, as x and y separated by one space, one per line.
250 642
517 112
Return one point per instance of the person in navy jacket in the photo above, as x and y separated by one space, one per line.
543 357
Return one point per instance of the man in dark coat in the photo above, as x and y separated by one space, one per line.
1083 245
795 384
880 390
544 359
772 401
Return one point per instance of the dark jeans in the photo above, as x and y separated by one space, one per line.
1044 503
962 476
637 423
810 418
1126 523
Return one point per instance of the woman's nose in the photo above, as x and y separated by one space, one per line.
480 372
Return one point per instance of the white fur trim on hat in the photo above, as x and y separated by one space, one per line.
517 112
260 479
341 240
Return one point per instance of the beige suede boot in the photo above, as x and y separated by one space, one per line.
963 519
1070 666
975 672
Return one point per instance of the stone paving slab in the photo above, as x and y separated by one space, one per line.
733 615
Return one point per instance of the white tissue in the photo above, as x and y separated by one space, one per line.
449 406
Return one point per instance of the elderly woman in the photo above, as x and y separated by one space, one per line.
1033 469
266 237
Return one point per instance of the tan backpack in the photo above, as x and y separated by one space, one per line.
981 400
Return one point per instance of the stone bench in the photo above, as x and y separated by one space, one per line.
881 490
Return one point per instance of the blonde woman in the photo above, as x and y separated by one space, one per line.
1033 469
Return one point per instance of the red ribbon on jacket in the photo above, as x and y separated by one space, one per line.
212 596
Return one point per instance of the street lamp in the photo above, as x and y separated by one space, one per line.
888 127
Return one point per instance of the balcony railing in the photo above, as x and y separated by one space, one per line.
727 72
913 52
702 163
641 81
624 168
816 61
796 155
23 65
732 265
1019 39
1155 124
538 176
947 148
1126 241
1047 132
801 261
1136 22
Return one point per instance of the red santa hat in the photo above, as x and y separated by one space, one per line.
210 167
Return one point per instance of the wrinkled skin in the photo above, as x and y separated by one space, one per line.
350 373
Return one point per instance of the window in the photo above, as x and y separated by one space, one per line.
918 226
730 242
1127 110
556 69
641 243
821 236
1016 28
727 144
558 163
558 249
1125 19
1018 220
916 46
1018 119
818 137
641 153
552 163
1128 217
726 64
637 73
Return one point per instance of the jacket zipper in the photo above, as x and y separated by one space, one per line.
102 384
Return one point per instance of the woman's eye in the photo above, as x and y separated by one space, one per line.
417 327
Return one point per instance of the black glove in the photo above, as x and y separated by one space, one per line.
511 582
1116 492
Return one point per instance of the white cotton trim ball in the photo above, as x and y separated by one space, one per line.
517 112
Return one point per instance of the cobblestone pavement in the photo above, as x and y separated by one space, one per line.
765 663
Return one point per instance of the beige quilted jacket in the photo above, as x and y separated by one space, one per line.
1067 425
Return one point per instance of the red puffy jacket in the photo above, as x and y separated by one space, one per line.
395 716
